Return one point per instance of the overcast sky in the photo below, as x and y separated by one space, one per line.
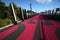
37 5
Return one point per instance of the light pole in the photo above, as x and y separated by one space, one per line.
30 6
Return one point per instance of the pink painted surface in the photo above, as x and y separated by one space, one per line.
8 31
28 34
49 30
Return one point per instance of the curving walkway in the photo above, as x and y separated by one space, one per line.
35 28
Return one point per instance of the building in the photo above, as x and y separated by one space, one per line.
56 11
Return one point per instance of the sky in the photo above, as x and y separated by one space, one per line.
37 5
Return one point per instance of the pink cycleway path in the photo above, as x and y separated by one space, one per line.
29 31
28 34
47 31
50 30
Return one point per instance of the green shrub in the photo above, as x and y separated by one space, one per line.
18 19
5 22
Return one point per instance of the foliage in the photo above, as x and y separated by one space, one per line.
5 22
3 11
6 15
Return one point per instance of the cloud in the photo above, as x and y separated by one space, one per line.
44 1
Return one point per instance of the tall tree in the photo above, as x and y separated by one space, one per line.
3 11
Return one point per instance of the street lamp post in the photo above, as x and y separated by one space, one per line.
30 5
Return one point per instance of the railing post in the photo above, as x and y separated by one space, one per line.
25 15
22 14
13 13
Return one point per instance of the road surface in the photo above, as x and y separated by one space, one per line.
38 27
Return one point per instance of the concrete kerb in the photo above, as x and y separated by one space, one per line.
8 26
